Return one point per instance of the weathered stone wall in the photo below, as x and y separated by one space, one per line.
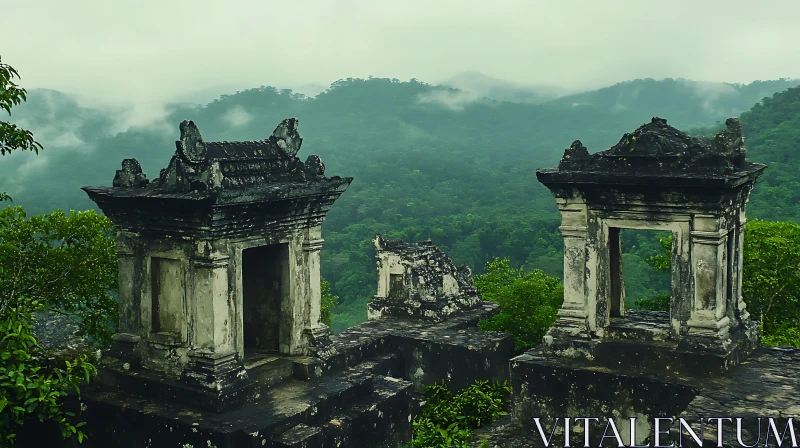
418 280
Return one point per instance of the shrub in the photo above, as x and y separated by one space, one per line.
529 301
329 302
658 303
59 263
447 420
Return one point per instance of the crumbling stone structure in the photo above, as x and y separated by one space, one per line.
417 280
220 342
656 178
639 363
219 257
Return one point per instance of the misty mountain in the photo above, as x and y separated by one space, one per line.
463 176
694 102
478 85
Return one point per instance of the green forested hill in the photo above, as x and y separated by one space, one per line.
772 136
427 163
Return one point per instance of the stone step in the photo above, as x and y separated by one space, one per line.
640 325
279 408
271 372
381 419
384 365
299 436
662 357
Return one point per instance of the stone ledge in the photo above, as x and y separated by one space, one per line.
763 386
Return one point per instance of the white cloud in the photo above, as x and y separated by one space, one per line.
452 99
237 116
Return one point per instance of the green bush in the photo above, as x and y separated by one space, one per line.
447 420
64 264
771 278
785 336
529 301
28 387
329 302
658 303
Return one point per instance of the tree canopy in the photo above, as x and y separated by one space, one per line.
53 263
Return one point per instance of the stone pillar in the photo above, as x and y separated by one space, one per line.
129 297
211 311
316 332
126 341
575 315
295 306
709 323
736 281
616 286
213 365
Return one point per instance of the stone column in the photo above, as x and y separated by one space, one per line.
214 364
744 315
129 297
316 332
616 285
295 306
574 315
211 311
129 334
709 323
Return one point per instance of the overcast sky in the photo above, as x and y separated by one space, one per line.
151 50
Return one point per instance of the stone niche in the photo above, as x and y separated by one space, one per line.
418 280
219 257
656 178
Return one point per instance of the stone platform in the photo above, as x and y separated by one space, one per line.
765 385
362 392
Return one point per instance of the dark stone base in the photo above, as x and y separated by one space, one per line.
551 387
641 339
363 392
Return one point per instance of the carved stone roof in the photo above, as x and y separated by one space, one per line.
658 153
241 150
260 182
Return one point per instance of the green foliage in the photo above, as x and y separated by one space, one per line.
772 131
447 420
57 263
11 136
65 262
329 302
662 261
784 336
771 280
660 302
529 301
28 386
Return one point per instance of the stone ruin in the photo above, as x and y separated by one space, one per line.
700 359
418 280
657 178
219 257
220 341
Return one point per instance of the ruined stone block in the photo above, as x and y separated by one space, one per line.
418 280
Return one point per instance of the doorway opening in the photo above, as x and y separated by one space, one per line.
645 265
265 289
640 277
